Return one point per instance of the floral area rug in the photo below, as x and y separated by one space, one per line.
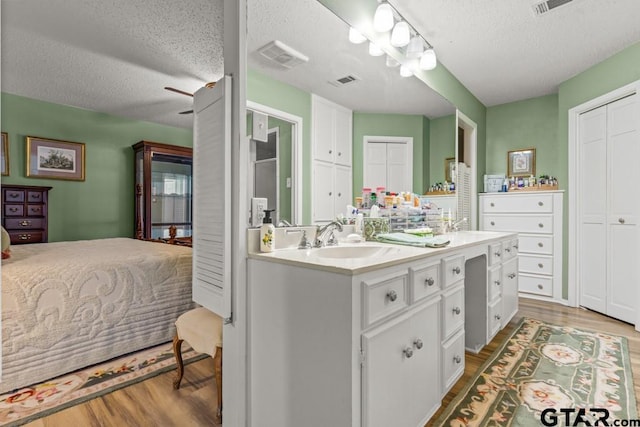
548 375
27 404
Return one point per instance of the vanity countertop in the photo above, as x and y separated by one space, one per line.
357 258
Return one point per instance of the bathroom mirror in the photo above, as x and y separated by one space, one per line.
383 102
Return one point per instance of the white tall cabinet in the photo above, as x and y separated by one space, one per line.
609 208
331 140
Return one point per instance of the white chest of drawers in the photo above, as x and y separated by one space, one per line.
537 218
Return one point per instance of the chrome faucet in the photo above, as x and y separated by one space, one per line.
325 230
456 225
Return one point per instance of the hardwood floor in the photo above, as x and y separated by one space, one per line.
154 402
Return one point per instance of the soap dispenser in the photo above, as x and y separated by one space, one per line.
267 232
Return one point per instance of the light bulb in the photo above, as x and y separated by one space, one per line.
405 71
374 50
428 61
400 35
391 63
383 18
356 36
415 48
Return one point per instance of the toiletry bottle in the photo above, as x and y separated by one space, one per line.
505 185
267 233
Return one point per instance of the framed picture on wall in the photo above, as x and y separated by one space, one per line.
4 156
449 165
521 162
54 159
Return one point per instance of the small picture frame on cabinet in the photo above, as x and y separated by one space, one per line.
55 159
4 156
521 162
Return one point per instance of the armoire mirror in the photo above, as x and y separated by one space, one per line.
383 102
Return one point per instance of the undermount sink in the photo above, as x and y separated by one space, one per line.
354 251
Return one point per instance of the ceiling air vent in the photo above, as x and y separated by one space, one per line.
546 6
344 80
282 54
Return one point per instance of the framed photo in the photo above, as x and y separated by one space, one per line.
51 158
521 162
449 167
4 156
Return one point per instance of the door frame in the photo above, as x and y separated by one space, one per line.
408 140
574 184
463 121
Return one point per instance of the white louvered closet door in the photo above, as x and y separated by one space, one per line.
463 191
212 198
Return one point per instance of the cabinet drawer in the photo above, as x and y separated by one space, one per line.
18 237
536 264
540 244
452 270
495 254
13 210
495 319
534 203
23 223
518 223
495 283
509 249
425 281
35 210
35 197
452 312
452 360
538 285
383 298
13 196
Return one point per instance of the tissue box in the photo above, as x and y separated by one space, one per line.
375 226
493 183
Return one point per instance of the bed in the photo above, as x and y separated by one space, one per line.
68 305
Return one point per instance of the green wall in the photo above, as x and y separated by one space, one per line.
443 146
103 204
532 123
390 125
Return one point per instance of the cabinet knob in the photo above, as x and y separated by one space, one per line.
507 250
512 276
540 265
540 204
35 196
540 287
14 195
497 282
418 343
408 352
621 220
330 151
429 281
515 247
339 153
497 254
457 359
456 310
456 270
492 204
493 223
24 236
541 225
330 193
540 244
13 209
25 223
498 317
392 295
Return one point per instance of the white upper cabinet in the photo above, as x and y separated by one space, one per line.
331 131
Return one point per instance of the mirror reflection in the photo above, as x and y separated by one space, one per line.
400 132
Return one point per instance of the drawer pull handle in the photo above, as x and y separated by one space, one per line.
418 343
621 220
512 276
540 244
24 236
497 282
507 250
497 253
493 223
14 195
13 209
540 286
408 352
25 223
429 281
392 295
457 359
498 317
456 310
515 247
541 225
540 265
456 270
540 204
492 204
34 196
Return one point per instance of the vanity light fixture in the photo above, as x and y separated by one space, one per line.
428 61
415 48
356 36
405 71
375 50
383 18
400 35
391 63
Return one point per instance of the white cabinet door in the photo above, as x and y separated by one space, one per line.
398 171
343 189
401 364
323 130
323 192
343 119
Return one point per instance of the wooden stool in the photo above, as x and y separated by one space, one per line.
202 329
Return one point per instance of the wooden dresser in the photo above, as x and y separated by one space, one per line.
24 213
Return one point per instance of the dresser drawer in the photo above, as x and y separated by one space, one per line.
518 223
538 285
13 196
383 298
27 236
533 203
495 283
537 264
540 244
495 318
23 223
425 281
35 210
35 196
509 249
452 360
452 312
13 210
495 254
452 270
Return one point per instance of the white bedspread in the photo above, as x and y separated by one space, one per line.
68 305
